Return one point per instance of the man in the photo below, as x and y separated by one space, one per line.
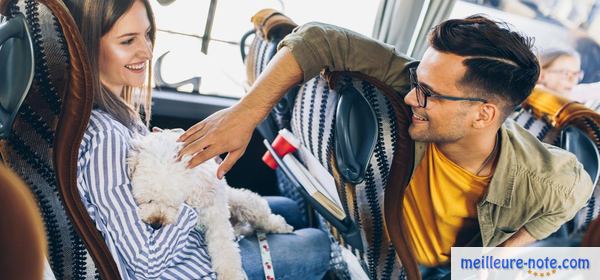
476 176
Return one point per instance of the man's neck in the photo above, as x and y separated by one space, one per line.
473 153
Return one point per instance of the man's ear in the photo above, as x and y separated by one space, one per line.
487 115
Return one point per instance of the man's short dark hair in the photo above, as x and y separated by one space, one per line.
500 63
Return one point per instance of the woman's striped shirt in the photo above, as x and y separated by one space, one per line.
175 251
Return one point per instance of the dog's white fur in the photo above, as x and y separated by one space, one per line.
161 184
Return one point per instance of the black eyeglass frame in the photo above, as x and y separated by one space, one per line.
423 93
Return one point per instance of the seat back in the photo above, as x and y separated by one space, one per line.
358 129
270 27
573 127
42 142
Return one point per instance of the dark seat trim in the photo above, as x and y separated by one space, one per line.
74 118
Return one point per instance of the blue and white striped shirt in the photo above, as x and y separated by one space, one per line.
175 251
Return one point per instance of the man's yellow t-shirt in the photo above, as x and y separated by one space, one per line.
440 201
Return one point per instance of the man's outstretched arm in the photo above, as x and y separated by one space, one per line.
230 130
302 55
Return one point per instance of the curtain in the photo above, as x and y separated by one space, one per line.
406 23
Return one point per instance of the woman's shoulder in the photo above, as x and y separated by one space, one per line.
103 125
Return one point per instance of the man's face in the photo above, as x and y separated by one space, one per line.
442 121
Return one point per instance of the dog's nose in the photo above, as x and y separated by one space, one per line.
156 225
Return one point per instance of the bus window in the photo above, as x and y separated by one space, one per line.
182 36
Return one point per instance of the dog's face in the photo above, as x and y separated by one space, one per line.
157 214
158 180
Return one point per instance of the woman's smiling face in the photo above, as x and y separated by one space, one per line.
126 50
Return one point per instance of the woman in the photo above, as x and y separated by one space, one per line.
561 70
119 36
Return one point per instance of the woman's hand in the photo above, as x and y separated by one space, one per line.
226 131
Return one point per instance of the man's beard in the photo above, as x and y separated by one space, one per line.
430 136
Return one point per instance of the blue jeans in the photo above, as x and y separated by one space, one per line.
435 273
303 254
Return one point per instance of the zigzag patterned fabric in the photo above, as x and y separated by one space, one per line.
593 104
538 127
29 150
545 132
313 120
261 52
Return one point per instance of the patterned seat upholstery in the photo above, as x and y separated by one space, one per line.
367 193
364 178
43 141
571 126
270 26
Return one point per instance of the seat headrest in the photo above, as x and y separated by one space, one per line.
271 24
557 110
16 69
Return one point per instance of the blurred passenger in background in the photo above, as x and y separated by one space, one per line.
561 70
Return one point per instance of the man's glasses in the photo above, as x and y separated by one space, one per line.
569 74
423 92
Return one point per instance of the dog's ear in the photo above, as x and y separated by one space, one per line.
133 152
132 161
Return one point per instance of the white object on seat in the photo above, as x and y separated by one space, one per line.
48 274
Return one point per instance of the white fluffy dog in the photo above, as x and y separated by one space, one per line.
161 185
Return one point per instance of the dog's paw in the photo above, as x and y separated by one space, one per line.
242 229
277 224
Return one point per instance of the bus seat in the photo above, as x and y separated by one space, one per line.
270 26
573 127
22 236
42 143
357 128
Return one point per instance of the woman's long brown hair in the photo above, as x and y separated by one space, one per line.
95 18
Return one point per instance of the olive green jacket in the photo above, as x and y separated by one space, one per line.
534 185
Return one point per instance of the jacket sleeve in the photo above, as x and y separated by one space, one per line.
562 205
318 46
